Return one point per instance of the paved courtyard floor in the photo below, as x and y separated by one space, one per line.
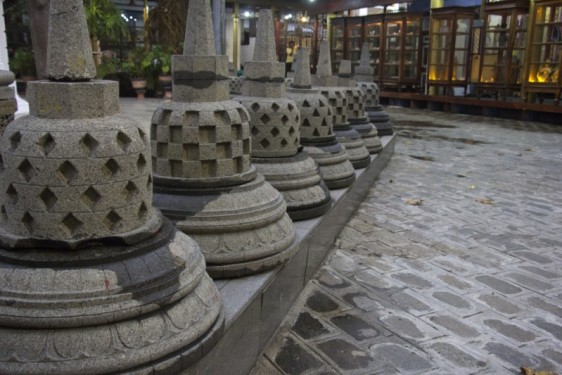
452 265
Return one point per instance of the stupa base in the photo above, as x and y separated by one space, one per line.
357 153
335 168
369 134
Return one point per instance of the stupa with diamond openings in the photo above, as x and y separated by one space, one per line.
92 278
327 84
364 77
274 126
204 179
356 108
317 127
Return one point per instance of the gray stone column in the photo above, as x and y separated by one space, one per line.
219 26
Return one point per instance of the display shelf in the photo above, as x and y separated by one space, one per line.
337 41
372 34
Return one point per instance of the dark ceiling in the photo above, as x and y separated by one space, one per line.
315 7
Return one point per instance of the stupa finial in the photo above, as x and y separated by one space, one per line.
199 36
364 72
345 68
364 61
302 75
324 60
265 38
69 52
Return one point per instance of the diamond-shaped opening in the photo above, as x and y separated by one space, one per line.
316 132
124 141
90 197
316 113
255 107
143 211
284 119
12 194
284 143
89 144
255 131
67 172
26 170
141 162
292 131
324 123
27 221
111 167
265 119
306 122
142 135
15 140
264 143
321 104
131 189
291 107
306 104
275 132
112 220
275 107
46 142
71 224
333 102
48 198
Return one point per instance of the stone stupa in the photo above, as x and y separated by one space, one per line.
92 278
364 77
317 127
356 109
274 125
328 86
8 103
204 179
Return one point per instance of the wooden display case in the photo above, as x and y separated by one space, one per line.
372 34
449 47
354 38
502 55
401 62
544 51
337 41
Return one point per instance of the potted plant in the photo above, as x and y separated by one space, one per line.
136 67
22 64
160 61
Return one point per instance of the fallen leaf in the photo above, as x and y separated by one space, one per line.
530 149
530 371
415 202
461 175
472 186
485 201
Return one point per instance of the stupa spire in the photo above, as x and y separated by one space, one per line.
265 38
302 77
199 36
324 60
69 56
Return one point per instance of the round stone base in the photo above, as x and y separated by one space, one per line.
381 120
145 308
369 134
234 226
299 181
335 167
357 153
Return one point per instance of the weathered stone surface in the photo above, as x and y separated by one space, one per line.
235 85
265 43
93 279
324 68
69 53
364 72
302 70
8 104
204 180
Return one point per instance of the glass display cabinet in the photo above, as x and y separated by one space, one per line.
502 55
354 38
372 34
401 51
337 41
543 81
449 47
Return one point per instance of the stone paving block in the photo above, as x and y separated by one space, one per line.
456 355
402 357
455 265
536 258
346 355
549 325
308 327
513 358
499 285
542 272
453 324
412 302
355 327
498 304
344 263
407 326
545 304
455 303
322 302
292 358
374 280
528 282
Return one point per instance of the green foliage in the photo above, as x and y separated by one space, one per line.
167 20
108 68
159 59
23 63
105 21
136 65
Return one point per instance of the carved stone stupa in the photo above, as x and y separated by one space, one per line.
204 180
317 127
364 77
329 87
356 109
274 125
92 278
8 103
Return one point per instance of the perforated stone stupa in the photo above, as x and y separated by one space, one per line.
317 127
92 278
204 180
274 125
364 77
327 84
356 108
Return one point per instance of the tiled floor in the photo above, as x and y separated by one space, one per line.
469 281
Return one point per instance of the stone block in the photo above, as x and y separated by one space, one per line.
324 81
199 67
200 91
73 100
264 71
263 89
6 93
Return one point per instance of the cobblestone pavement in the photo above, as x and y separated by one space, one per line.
470 281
